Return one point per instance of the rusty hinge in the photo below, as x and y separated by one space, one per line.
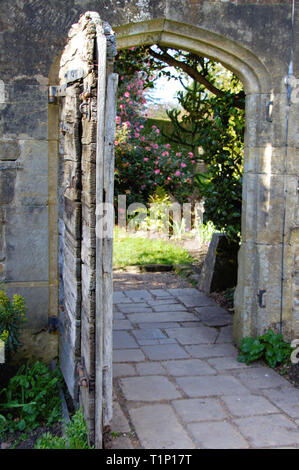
83 379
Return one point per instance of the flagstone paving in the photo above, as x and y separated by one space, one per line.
178 384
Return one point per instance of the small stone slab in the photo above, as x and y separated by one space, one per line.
150 368
137 295
200 409
195 335
217 435
212 350
122 325
148 388
119 297
161 317
214 316
128 355
169 307
123 370
248 405
119 421
212 385
150 424
188 367
226 335
134 308
160 352
268 431
148 333
262 377
161 293
123 340
226 363
286 398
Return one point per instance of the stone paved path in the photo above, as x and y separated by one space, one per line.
178 384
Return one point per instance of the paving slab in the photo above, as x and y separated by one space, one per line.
286 398
119 421
217 435
160 352
123 370
214 316
187 367
181 383
128 355
123 340
148 388
200 409
158 428
161 317
195 335
212 350
227 363
150 368
268 431
256 378
148 333
212 385
248 405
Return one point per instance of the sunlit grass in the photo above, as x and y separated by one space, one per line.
130 251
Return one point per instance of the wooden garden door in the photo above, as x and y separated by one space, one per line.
87 97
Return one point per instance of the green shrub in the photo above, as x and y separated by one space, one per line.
76 436
12 318
30 399
271 347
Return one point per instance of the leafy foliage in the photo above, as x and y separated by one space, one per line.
142 161
271 347
76 436
12 318
30 399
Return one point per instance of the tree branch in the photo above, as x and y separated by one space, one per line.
197 76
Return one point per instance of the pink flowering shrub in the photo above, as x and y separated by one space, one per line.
142 162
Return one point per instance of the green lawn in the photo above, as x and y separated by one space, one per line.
140 251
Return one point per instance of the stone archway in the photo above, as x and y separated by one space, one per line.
260 255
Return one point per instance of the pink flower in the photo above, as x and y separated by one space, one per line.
154 127
193 161
168 146
157 171
183 165
143 138
177 173
168 177
165 154
118 119
145 159
122 106
141 127
148 149
158 131
136 134
142 186
190 154
178 154
116 142
127 94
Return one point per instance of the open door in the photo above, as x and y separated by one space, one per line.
87 91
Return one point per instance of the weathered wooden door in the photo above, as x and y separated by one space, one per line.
87 92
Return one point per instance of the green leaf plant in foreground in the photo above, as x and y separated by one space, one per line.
271 347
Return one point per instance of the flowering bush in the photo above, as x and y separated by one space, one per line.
142 162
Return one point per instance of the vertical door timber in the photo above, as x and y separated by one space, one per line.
88 90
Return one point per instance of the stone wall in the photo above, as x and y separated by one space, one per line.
252 37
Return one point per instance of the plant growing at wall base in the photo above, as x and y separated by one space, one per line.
76 436
30 399
12 318
271 347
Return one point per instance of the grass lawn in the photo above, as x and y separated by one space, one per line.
139 251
